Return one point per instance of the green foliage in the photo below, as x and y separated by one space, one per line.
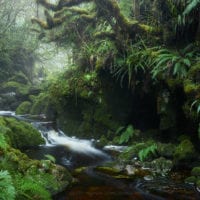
27 188
51 158
146 152
20 133
41 104
7 190
191 5
127 134
140 58
184 151
3 142
19 88
23 108
195 104
126 7
174 63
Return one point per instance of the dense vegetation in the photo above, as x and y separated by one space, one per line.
134 79
126 56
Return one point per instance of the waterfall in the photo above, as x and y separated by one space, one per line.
57 137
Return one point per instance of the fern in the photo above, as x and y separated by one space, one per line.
196 104
7 190
144 153
28 189
139 58
51 158
127 135
175 62
192 5
3 143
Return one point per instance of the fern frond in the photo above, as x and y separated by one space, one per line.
192 4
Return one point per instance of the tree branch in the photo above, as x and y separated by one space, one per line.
61 4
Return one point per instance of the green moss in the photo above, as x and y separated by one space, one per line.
190 87
19 88
20 133
191 180
132 151
79 170
108 170
103 141
194 72
174 83
198 183
195 171
23 108
31 179
40 104
184 151
20 78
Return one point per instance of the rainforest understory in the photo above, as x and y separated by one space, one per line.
132 79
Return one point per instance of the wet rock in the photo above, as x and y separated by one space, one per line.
191 180
131 170
166 150
184 152
160 166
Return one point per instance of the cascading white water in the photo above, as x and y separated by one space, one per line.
74 144
6 113
56 138
82 146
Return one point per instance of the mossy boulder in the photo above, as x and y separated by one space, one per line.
185 151
40 104
195 177
20 134
166 149
24 108
195 171
31 179
191 180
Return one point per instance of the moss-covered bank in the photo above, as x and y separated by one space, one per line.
21 177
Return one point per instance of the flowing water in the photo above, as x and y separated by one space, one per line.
72 153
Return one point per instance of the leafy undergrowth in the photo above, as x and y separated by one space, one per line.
22 178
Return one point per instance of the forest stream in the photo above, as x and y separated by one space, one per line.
81 157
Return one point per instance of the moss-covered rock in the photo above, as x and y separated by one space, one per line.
20 134
31 179
191 180
195 171
166 149
184 151
23 108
